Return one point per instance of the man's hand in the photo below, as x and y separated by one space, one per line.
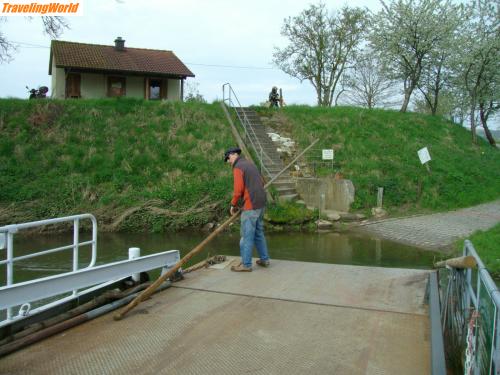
233 210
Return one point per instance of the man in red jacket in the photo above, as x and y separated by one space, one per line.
248 186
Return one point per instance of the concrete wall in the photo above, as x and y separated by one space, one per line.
339 194
57 91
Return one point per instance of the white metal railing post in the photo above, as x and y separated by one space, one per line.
94 242
76 232
7 242
10 265
468 275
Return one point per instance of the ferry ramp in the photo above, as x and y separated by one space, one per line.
290 318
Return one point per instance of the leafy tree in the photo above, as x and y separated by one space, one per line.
52 26
436 72
367 84
409 32
320 46
477 63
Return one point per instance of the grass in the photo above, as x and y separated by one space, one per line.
108 156
155 166
378 148
487 245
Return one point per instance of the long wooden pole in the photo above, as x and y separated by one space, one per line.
150 290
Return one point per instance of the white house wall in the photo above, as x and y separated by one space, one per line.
58 89
174 89
92 86
134 87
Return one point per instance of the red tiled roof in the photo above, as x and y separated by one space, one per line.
107 58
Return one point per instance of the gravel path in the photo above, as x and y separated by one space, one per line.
436 231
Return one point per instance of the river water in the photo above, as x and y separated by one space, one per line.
338 248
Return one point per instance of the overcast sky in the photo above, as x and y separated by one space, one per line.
217 32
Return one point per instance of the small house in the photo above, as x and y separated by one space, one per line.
81 70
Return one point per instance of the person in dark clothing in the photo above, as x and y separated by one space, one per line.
248 186
274 97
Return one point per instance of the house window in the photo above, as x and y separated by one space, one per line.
155 88
155 91
73 85
116 86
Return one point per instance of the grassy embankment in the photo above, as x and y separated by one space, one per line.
136 165
158 166
378 148
487 245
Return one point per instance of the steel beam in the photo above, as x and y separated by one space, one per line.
28 291
438 362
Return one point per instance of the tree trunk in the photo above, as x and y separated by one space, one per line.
437 85
473 124
406 101
407 90
338 95
487 132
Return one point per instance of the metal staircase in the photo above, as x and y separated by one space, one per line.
255 138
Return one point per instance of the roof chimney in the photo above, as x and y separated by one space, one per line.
119 44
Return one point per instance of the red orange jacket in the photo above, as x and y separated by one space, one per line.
248 185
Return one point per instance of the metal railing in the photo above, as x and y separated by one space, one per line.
7 243
470 313
315 166
227 97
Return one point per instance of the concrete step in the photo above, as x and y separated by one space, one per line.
286 192
275 169
284 184
288 198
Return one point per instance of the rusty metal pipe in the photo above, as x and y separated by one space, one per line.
50 331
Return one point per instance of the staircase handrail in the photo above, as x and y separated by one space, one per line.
246 124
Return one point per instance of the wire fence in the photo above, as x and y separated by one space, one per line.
313 164
470 305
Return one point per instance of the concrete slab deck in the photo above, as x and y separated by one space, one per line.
292 317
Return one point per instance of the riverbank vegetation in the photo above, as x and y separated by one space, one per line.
378 148
486 244
157 166
136 165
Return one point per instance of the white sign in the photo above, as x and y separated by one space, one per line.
424 155
327 154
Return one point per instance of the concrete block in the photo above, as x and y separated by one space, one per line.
339 193
324 224
332 215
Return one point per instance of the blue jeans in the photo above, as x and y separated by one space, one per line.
252 233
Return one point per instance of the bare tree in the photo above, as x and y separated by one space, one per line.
408 31
193 93
367 85
53 26
320 47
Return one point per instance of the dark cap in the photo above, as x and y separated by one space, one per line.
232 150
